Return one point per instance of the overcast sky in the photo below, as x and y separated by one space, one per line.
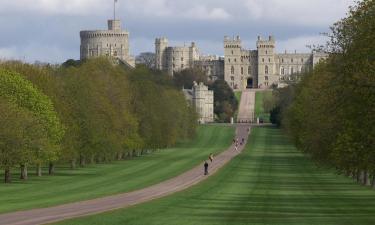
48 30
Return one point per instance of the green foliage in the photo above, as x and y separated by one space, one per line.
41 130
331 115
186 77
226 102
108 112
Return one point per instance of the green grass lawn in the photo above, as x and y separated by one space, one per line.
259 110
105 179
270 184
238 94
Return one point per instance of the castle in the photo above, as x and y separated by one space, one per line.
240 68
203 101
113 42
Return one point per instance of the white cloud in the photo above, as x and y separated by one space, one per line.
300 43
201 12
53 7
298 12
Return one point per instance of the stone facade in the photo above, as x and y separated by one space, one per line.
174 59
113 42
263 67
212 65
203 101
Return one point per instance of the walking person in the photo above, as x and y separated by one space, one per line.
205 168
211 157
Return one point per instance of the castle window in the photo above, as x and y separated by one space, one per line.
232 52
291 60
302 60
232 70
232 78
291 70
228 60
269 59
249 70
235 60
266 70
262 59
282 71
282 60
115 53
182 59
241 70
266 52
182 66
173 59
266 77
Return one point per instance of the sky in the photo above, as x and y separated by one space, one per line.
48 30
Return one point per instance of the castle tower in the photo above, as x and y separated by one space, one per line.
232 64
161 45
267 74
113 43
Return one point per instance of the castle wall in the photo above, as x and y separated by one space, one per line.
263 67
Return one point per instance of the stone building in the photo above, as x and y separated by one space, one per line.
174 59
203 101
263 67
212 65
113 42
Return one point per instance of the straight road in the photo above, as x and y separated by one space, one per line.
247 107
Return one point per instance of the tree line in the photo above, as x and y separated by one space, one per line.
330 113
87 112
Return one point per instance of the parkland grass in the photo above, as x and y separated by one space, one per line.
270 183
105 179
259 109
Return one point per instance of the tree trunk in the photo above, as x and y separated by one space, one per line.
358 175
81 161
51 168
39 170
73 164
7 175
24 174
373 181
119 156
92 159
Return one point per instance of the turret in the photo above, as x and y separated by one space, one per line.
161 45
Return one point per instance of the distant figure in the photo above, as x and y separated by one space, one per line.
235 148
243 140
211 157
205 168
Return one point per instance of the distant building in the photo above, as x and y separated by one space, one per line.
263 67
212 65
113 42
174 59
203 101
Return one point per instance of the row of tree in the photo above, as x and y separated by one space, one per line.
88 112
331 113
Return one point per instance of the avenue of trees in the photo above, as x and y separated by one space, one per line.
331 113
89 112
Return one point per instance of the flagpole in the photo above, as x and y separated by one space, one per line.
114 9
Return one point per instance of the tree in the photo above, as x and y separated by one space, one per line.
23 94
185 78
225 104
146 58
